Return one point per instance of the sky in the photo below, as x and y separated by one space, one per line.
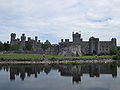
56 19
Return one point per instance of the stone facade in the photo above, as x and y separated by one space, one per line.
36 44
76 47
93 46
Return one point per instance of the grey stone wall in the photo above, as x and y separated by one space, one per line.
77 47
104 47
85 47
72 50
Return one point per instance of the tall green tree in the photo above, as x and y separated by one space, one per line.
6 46
114 51
14 47
29 46
1 46
118 47
45 46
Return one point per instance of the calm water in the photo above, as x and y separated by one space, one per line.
59 77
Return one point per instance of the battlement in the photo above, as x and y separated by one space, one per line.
93 46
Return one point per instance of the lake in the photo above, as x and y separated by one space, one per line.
59 76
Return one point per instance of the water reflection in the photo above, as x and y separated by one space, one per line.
94 70
75 71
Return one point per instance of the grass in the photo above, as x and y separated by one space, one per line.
36 56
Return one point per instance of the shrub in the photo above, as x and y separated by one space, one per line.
117 57
6 46
14 47
45 46
114 51
29 46
1 46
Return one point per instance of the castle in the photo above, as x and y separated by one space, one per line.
76 47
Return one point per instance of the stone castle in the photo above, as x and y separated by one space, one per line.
76 47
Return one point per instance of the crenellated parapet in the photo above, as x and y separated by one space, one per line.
91 47
22 41
75 47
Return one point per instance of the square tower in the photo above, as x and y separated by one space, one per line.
76 37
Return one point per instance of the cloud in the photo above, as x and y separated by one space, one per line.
59 18
100 20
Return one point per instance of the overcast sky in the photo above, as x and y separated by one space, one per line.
56 19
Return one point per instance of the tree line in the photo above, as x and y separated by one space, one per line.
15 47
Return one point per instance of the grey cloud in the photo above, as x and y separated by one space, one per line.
59 18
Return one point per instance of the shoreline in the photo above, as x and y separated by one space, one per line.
36 58
46 61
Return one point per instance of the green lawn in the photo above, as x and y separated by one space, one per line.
36 56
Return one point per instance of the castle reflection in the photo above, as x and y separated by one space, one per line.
94 70
71 70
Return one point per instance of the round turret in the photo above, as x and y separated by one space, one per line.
23 37
13 36
114 41
36 38
29 38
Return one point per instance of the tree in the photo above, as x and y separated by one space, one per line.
1 46
118 47
29 46
6 46
14 47
117 56
114 51
45 46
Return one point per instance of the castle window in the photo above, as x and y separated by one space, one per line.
106 49
100 49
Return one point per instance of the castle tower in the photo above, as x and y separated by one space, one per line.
36 38
38 41
76 37
29 38
114 41
13 36
62 40
94 45
23 39
13 39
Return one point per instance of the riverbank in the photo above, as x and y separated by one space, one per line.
58 62
36 58
41 57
